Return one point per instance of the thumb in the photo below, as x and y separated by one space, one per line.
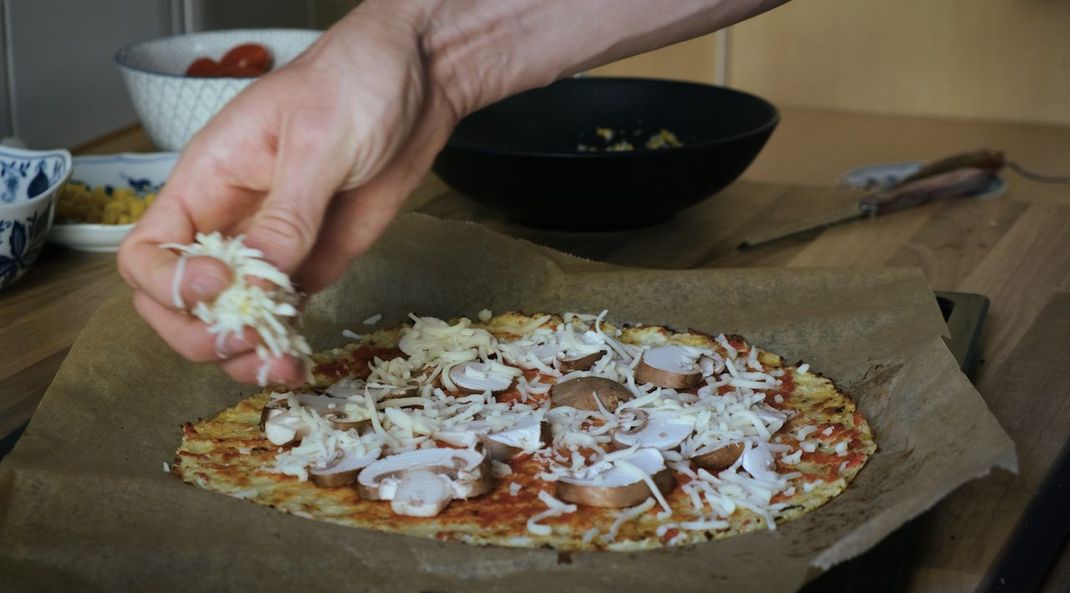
311 162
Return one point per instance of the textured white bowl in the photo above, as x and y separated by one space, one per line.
29 183
143 172
172 106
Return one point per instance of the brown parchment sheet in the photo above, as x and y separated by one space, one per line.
86 505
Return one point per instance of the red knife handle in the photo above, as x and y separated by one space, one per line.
944 185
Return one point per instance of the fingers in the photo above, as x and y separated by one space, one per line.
313 159
249 368
177 285
189 336
358 217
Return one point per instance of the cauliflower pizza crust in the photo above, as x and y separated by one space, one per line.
793 440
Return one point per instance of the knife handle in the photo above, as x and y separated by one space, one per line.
943 185
991 160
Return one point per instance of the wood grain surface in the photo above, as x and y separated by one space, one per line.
1015 249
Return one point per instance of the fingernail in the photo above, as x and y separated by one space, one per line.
232 345
206 286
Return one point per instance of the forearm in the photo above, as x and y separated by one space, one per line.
485 50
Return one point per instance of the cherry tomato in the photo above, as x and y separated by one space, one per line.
203 68
249 55
238 71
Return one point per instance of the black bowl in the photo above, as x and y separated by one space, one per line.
523 155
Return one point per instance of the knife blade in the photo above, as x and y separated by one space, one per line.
907 195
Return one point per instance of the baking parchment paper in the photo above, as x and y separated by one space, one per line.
85 503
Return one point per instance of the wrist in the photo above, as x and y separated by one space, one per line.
479 52
475 52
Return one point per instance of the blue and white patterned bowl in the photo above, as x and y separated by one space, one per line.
173 106
30 180
143 172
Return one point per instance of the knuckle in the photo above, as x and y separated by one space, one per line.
283 235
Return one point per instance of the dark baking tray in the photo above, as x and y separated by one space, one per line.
880 569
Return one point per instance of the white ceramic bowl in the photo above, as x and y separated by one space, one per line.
29 183
142 172
172 106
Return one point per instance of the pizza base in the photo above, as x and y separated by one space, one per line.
229 454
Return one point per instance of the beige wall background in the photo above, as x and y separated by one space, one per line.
982 59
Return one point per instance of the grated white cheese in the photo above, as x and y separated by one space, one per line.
556 509
793 458
809 486
515 488
271 312
626 515
166 468
804 431
373 319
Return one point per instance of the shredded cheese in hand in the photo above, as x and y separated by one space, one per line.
271 312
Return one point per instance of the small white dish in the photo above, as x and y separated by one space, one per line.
29 183
143 172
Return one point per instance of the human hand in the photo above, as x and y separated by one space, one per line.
310 163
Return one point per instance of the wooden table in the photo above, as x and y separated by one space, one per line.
1015 249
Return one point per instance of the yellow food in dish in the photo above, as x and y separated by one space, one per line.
610 140
81 203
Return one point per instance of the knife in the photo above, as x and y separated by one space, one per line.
903 195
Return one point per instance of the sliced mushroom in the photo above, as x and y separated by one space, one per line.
343 421
618 487
477 377
672 367
330 409
658 430
422 482
528 435
343 471
579 363
709 366
719 458
284 427
347 387
758 462
580 393
350 387
465 436
322 404
272 408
